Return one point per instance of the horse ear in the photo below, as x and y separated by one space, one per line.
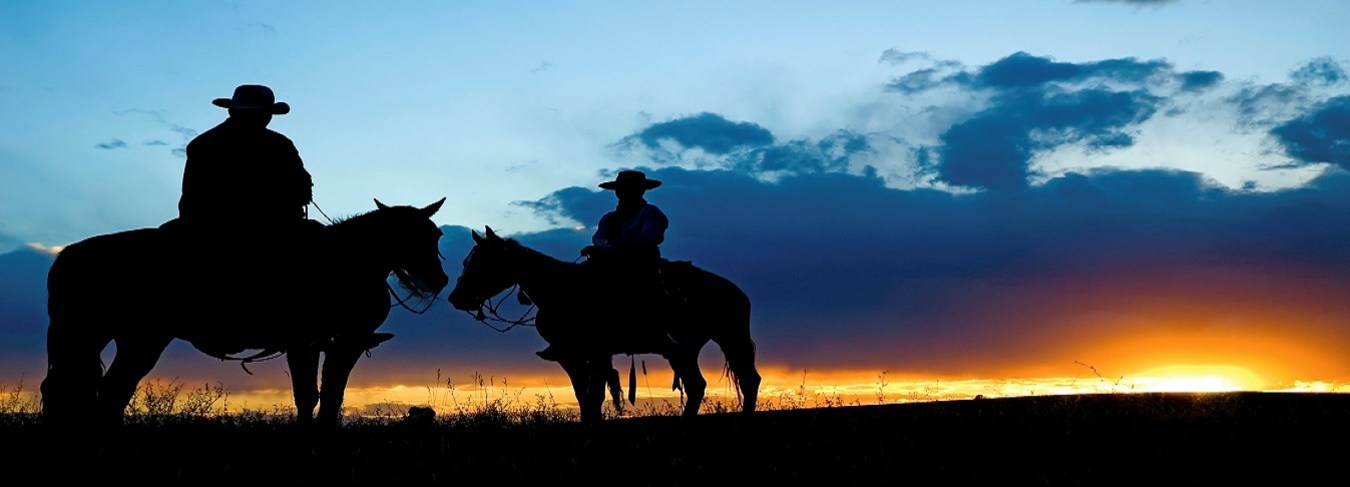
490 234
476 237
433 208
379 205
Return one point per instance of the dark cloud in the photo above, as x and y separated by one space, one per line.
156 142
23 300
707 131
846 272
1025 70
1322 136
1322 71
1199 80
1034 104
845 249
1037 104
747 147
830 154
112 144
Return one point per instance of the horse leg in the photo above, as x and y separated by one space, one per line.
74 369
740 355
615 390
136 356
304 367
598 372
578 371
685 365
338 362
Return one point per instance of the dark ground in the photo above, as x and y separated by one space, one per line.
1113 439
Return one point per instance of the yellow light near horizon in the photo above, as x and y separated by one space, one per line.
1197 378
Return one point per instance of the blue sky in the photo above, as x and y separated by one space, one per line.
901 155
487 104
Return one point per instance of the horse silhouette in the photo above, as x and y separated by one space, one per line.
573 316
141 291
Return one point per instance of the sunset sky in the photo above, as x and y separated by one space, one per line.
944 198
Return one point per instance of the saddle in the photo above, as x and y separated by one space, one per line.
674 277
236 275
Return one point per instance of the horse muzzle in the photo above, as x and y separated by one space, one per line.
463 302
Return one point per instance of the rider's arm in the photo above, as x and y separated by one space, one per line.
601 230
301 184
652 227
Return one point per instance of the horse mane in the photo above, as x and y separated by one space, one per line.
361 220
349 219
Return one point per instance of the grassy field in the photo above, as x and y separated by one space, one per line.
1105 439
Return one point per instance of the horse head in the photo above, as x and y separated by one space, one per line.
488 271
411 242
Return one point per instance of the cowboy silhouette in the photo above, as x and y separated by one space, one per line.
242 211
240 172
625 258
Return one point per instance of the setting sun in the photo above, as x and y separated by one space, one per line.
1196 378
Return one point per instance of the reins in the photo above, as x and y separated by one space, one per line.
526 318
399 301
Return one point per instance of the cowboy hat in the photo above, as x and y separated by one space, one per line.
253 97
631 179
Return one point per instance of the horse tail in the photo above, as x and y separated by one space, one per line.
739 350
74 367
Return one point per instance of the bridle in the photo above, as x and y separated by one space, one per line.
398 301
526 318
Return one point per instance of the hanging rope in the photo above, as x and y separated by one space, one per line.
262 356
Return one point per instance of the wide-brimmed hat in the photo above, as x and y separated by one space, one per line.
631 179
253 97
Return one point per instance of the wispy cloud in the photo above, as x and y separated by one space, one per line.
1323 71
1136 3
541 67
157 116
262 27
896 56
1265 105
112 144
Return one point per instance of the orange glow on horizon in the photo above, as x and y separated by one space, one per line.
787 389
1197 378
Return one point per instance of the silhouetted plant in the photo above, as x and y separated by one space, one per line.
17 400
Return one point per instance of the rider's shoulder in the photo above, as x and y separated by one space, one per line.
277 136
653 210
